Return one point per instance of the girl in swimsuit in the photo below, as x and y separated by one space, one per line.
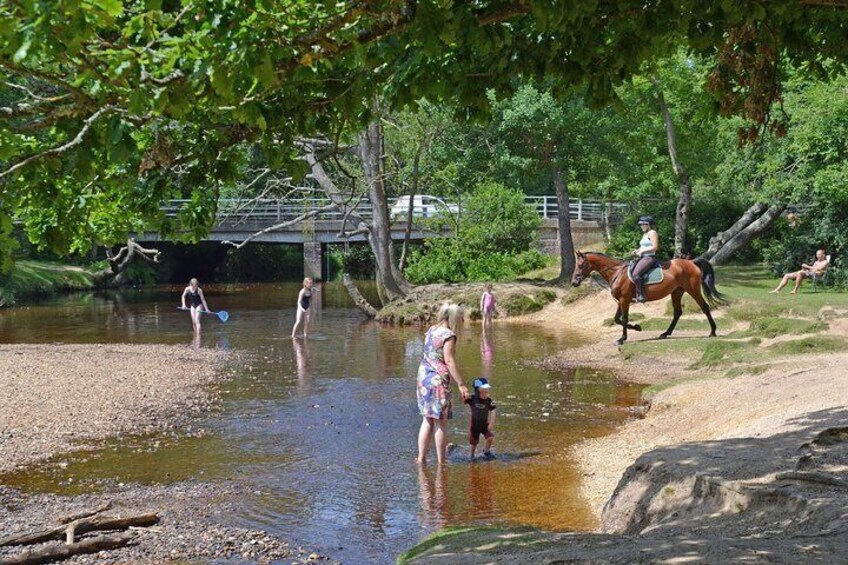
196 298
487 305
304 297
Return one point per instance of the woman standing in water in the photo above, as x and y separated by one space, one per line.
435 373
304 298
196 299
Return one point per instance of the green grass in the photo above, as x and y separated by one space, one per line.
29 279
811 344
576 293
517 304
438 538
721 352
773 327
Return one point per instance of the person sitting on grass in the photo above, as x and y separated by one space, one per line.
818 268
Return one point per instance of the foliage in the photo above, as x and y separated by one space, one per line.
112 106
29 279
357 260
493 241
260 262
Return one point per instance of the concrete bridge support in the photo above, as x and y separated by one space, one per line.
312 265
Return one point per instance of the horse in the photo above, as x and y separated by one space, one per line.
679 276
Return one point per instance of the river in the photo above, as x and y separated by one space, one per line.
322 432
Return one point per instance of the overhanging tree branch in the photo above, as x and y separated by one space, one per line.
61 148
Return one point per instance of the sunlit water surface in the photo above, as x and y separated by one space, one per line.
323 431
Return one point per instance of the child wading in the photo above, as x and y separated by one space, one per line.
482 417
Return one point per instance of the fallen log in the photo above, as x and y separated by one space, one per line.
57 552
80 527
86 514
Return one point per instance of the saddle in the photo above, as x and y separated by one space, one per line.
653 276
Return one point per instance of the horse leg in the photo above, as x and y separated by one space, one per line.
676 302
695 292
621 318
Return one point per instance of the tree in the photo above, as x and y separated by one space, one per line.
110 107
554 137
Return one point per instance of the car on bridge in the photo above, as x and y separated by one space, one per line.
423 206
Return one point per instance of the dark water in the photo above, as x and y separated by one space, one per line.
323 432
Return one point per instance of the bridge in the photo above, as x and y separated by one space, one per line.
257 220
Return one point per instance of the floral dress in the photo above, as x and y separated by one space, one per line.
434 396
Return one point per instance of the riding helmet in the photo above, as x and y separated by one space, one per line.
647 220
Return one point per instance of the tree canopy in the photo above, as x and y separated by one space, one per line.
108 106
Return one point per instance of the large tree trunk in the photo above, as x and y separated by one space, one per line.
566 243
684 201
342 202
380 238
722 237
744 236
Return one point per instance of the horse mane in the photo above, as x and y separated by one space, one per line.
604 255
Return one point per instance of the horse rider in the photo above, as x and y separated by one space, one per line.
646 255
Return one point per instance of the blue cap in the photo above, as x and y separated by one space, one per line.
647 220
481 383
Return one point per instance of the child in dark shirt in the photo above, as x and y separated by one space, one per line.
482 417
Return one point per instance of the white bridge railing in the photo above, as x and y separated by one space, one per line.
236 211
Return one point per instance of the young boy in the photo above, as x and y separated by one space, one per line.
482 418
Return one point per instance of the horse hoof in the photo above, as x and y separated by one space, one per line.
619 342
713 334
663 335
637 328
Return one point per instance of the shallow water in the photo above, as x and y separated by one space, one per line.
322 432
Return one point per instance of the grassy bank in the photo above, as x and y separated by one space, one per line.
30 279
756 329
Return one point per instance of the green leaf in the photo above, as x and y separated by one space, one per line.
265 72
222 82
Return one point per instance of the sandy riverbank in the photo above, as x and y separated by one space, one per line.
57 398
54 398
747 466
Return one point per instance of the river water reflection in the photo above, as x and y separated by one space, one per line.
322 432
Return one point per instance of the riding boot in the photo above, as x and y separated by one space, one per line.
640 290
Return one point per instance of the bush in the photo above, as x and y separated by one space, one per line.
493 242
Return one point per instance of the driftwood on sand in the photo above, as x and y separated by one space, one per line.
73 526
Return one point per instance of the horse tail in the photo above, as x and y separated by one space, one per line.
714 297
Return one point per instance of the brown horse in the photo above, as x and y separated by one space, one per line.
679 276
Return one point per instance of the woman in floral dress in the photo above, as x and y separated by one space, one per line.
435 373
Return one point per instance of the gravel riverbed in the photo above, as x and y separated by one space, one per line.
57 398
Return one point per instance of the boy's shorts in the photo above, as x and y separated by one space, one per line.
477 431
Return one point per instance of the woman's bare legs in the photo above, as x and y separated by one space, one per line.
424 435
428 427
297 320
441 440
195 320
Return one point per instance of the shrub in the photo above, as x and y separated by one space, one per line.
493 241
